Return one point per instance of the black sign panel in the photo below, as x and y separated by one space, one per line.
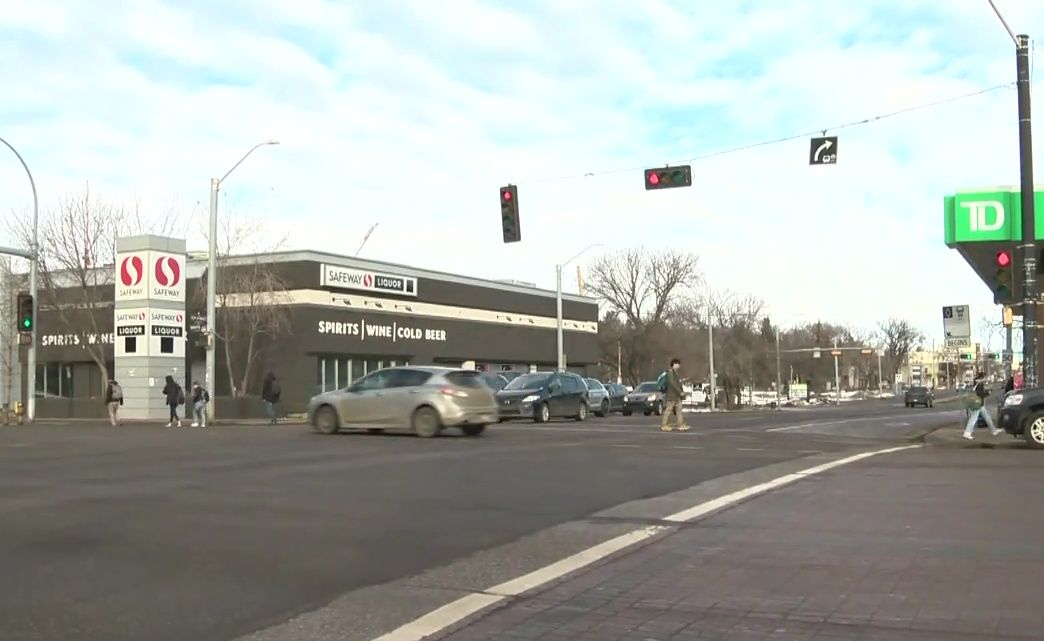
823 151
166 330
130 330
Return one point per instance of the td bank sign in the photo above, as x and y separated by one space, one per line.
989 216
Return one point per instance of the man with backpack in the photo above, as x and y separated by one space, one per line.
670 384
981 394
270 392
113 400
174 396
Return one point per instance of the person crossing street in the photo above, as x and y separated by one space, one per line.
673 393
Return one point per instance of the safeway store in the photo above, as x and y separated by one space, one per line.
345 318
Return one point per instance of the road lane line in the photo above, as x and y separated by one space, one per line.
860 419
458 610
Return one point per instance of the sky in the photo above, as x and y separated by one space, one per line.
412 113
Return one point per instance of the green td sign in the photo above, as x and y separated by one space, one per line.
989 216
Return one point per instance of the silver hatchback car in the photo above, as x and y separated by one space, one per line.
422 399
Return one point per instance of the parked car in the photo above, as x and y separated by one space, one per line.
422 399
1022 414
919 395
511 375
646 398
542 396
597 396
617 396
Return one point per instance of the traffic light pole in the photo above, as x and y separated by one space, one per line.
1028 245
33 256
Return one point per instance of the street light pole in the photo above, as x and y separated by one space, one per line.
779 373
211 347
558 302
837 375
880 383
34 261
710 362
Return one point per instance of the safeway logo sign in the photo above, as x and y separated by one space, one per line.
132 269
168 282
168 271
131 276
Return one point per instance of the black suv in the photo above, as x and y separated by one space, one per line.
919 395
542 396
1022 414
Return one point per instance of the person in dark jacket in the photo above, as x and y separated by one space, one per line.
673 399
270 392
174 395
113 401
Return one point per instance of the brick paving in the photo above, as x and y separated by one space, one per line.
927 545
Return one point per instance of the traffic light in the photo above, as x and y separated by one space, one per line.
1008 316
509 214
668 177
25 313
1002 281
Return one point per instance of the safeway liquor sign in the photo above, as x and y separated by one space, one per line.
989 216
346 278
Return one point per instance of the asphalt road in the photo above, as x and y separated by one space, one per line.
145 533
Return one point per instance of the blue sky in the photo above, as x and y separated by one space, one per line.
411 114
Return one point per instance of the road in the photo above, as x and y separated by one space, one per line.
146 533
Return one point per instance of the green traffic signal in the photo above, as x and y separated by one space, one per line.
25 313
27 323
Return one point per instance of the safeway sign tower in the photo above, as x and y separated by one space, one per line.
149 321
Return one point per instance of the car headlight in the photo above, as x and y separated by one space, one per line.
1014 399
651 397
532 398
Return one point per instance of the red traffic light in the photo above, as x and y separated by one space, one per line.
654 179
1003 258
505 195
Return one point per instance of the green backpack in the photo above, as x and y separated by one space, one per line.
661 382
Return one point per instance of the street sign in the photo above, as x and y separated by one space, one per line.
1007 357
958 342
866 351
956 322
835 352
816 354
823 151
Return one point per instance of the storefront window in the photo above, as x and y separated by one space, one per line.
54 380
338 372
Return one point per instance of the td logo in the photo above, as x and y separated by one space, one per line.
167 271
131 271
979 215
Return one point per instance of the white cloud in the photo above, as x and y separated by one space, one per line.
411 114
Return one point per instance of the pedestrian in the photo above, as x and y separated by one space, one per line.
270 392
980 395
113 401
1009 385
175 396
200 398
673 393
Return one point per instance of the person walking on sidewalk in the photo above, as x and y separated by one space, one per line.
200 398
270 392
175 396
673 393
113 400
981 394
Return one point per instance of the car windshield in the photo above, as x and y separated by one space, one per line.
646 387
528 381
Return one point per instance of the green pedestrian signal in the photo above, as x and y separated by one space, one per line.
25 313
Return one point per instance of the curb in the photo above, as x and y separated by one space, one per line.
950 437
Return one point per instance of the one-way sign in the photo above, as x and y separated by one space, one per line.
823 151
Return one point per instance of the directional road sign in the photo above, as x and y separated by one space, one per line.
956 323
823 151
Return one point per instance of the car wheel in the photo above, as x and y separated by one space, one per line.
543 413
659 409
627 412
647 412
473 430
581 414
326 421
1034 431
426 422
605 409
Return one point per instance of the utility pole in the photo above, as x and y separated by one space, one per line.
880 383
710 361
837 373
779 383
619 363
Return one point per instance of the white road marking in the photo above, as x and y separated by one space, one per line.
750 449
456 611
854 419
897 424
623 445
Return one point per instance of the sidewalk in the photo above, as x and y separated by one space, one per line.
932 544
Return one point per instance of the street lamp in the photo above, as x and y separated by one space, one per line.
34 260
779 375
558 299
215 186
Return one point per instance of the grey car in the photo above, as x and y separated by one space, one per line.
424 400
598 396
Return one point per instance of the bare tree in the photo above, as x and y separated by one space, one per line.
251 298
643 289
77 251
739 345
899 338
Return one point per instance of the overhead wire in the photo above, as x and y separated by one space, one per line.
774 141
